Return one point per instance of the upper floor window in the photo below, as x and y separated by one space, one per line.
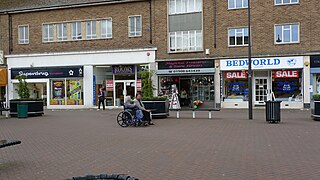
135 26
287 33
185 41
76 30
24 34
237 4
106 28
47 33
62 32
184 6
91 29
284 2
238 36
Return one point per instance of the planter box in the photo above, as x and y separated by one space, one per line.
159 108
315 109
35 107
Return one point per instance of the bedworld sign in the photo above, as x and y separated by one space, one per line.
48 72
263 63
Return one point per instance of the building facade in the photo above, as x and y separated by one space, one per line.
196 46
69 52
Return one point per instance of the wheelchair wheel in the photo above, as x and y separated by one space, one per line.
124 119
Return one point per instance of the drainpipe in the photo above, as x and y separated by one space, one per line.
10 33
150 31
215 23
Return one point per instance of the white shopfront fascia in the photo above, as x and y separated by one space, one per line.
260 64
269 63
86 59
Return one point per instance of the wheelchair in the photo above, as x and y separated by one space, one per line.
127 118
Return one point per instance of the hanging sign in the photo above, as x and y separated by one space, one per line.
286 74
139 85
109 85
236 75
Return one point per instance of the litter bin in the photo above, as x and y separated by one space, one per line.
22 109
273 113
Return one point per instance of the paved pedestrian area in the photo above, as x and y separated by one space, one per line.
63 144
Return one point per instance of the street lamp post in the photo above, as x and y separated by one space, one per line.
249 65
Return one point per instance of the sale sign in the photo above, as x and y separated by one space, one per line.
139 84
286 74
109 85
236 75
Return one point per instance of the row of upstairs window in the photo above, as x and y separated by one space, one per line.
189 41
239 4
73 31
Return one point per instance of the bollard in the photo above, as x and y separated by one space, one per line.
193 114
178 114
210 115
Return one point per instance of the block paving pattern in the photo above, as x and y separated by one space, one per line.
63 144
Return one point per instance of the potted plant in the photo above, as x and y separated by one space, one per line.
159 105
315 106
197 103
34 106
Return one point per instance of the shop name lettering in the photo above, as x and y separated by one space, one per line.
122 70
26 74
255 62
185 71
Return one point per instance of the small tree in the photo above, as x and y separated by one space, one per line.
23 90
147 88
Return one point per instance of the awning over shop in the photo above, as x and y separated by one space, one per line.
3 76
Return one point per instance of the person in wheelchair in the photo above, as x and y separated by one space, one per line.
129 105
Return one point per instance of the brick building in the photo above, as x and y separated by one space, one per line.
69 50
198 46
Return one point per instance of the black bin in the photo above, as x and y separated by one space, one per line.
273 113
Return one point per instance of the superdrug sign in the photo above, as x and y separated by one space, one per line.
48 72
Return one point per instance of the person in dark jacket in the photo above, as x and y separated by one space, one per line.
101 98
146 112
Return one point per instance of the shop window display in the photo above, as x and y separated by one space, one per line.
236 86
286 85
66 92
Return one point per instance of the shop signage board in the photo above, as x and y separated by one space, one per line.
48 72
109 85
123 69
286 74
294 62
314 61
186 67
236 75
139 85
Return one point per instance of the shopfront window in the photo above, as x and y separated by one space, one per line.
66 92
286 85
236 86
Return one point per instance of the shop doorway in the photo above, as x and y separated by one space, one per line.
123 89
261 86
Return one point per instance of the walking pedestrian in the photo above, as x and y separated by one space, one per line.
101 99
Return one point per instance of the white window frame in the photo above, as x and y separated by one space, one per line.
47 38
189 47
243 35
187 7
282 3
91 35
62 37
286 24
23 40
235 2
104 35
136 33
76 30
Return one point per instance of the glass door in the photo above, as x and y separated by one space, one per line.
123 89
261 90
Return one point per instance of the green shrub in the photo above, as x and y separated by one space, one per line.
316 97
23 90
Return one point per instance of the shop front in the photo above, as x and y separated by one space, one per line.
193 79
315 75
71 80
56 86
281 78
3 83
